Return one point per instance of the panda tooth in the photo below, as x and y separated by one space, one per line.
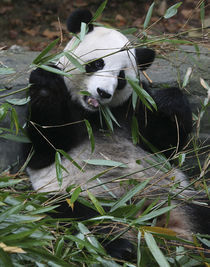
92 102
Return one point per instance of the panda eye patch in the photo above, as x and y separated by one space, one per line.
94 66
121 80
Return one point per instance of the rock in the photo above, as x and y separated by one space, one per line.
11 152
17 49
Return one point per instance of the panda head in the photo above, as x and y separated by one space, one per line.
108 59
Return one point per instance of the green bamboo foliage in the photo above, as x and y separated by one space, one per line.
30 237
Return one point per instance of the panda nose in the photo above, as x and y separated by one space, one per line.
103 94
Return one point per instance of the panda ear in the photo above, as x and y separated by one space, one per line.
76 18
144 57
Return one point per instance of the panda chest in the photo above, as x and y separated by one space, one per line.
113 156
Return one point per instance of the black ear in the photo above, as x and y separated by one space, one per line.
144 57
77 17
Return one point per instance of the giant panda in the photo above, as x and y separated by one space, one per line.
60 106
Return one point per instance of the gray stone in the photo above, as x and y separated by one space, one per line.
164 72
11 152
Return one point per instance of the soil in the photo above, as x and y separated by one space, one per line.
33 23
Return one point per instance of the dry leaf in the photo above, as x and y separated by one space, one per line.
138 23
51 34
13 34
5 9
80 3
162 8
57 25
120 20
32 32
11 249
186 12
158 230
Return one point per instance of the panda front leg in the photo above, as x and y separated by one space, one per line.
49 107
167 128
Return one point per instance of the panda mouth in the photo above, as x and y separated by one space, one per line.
91 102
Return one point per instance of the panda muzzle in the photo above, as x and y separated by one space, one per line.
92 102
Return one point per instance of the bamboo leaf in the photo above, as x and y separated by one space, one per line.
205 84
10 182
134 99
14 119
83 31
59 248
146 99
107 119
75 62
154 214
5 260
181 159
135 130
205 241
93 241
16 138
75 195
43 210
148 16
136 208
202 13
85 93
128 31
4 110
58 168
83 243
54 70
67 156
171 11
90 134
99 11
159 230
10 211
53 57
96 203
18 102
156 252
129 195
187 77
138 249
108 111
104 162
45 51
46 257
5 71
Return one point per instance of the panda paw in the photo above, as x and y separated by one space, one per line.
121 249
46 85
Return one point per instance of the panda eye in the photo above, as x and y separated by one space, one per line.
95 65
121 80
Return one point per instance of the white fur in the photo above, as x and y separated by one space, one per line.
116 148
106 43
100 43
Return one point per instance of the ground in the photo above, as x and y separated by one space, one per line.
33 23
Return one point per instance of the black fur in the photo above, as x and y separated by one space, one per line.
120 248
144 57
51 105
76 18
121 80
160 127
